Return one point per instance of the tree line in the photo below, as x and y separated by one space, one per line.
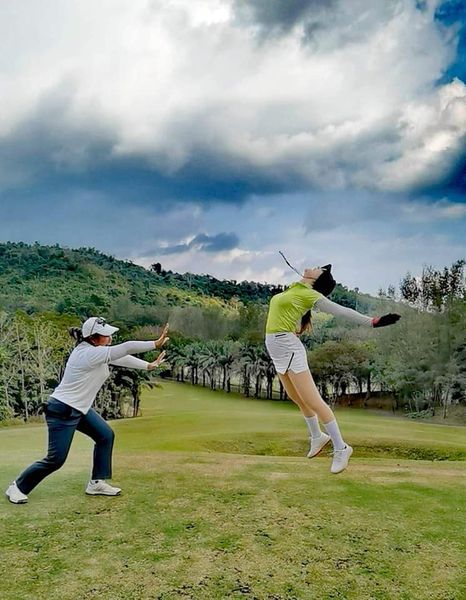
37 278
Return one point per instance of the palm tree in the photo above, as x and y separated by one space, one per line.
247 365
262 368
209 360
270 374
132 380
192 360
228 355
177 359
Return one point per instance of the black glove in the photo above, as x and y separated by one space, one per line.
385 320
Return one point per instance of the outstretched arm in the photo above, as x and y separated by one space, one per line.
109 354
325 305
121 350
130 362
106 354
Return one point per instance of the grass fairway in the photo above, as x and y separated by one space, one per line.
219 502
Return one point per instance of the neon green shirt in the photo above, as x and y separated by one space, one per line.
287 308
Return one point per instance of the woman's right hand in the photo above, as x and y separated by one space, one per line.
163 339
157 362
385 320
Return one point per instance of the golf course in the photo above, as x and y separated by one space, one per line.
219 502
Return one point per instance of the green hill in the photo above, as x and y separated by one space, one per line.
36 278
84 281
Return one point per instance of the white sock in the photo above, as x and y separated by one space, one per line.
313 426
334 432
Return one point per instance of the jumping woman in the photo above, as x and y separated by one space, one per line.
70 406
286 310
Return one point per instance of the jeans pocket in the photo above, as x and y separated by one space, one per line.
57 409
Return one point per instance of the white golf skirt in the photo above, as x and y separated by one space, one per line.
287 352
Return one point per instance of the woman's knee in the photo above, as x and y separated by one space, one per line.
306 388
107 437
55 461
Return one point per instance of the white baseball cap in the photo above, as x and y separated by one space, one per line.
97 325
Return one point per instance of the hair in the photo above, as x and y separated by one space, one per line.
325 284
306 323
77 334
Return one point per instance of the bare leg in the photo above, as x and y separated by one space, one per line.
318 440
292 393
310 399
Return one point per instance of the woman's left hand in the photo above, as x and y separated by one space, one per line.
157 362
163 339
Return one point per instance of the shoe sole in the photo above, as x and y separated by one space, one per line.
346 466
102 494
321 448
13 502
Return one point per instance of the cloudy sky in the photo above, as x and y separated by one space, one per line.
209 134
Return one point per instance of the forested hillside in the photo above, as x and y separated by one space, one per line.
82 282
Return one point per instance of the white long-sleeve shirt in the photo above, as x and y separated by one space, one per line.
87 369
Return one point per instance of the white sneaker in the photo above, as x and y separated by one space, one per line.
341 459
318 444
14 494
102 488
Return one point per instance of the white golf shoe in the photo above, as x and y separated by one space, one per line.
341 459
14 494
318 444
101 488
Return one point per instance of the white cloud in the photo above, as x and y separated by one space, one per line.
433 212
374 250
236 255
327 212
433 136
357 107
366 259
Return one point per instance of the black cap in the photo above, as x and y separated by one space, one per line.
325 284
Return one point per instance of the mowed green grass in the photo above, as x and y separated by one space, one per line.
219 502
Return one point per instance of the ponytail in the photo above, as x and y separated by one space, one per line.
76 334
306 325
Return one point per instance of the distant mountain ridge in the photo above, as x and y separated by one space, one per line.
83 281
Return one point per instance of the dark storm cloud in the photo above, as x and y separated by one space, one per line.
53 152
276 14
54 155
59 149
322 25
52 141
276 17
205 243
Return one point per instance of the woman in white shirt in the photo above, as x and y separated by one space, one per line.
70 406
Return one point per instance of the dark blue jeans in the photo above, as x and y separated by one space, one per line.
62 422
